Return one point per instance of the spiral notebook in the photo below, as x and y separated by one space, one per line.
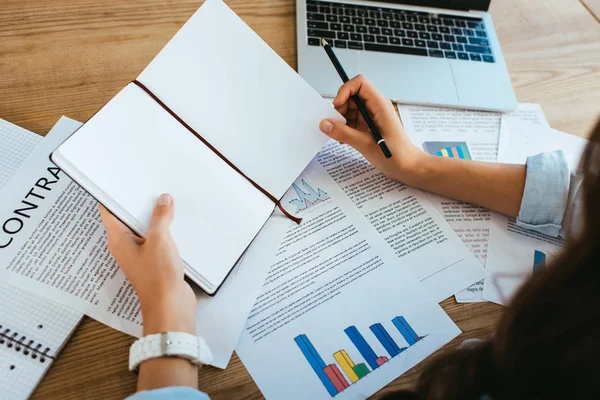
32 329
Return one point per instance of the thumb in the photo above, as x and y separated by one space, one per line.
344 134
163 213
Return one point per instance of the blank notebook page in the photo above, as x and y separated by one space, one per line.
133 150
222 79
32 329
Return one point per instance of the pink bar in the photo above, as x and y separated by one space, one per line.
382 360
454 152
336 377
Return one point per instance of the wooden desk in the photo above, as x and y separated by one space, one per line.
70 57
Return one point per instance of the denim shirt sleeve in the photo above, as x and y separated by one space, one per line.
546 193
170 393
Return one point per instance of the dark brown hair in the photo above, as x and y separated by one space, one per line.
547 343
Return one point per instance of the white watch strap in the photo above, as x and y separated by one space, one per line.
169 344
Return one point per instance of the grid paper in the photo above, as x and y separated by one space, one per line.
19 374
24 317
15 145
42 321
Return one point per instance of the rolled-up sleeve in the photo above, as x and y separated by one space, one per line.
170 393
546 193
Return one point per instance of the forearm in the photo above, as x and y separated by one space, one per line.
165 371
498 187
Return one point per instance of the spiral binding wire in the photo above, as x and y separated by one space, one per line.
12 340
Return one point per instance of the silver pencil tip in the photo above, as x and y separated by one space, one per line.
324 42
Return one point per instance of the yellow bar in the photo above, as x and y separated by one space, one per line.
445 153
346 363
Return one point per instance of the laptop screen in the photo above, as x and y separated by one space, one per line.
450 4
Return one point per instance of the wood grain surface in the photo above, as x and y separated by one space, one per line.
71 56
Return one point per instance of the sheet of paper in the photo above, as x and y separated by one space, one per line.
515 253
339 315
17 143
54 245
407 220
470 135
29 325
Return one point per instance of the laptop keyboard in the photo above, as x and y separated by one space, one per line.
388 30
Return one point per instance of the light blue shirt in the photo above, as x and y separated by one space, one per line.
552 201
551 205
170 393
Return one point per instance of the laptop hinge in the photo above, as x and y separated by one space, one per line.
461 5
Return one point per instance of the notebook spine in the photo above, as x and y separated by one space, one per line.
19 343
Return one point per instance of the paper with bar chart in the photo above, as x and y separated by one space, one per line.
467 135
515 253
339 314
330 375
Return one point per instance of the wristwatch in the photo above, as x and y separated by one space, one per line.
169 344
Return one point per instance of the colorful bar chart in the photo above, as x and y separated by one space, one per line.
448 149
539 260
386 340
362 346
338 377
406 330
347 365
316 362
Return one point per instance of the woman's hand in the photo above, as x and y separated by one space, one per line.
155 269
405 156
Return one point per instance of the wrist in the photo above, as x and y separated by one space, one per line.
168 315
412 167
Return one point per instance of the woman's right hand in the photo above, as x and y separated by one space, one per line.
406 158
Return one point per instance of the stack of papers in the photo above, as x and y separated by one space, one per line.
337 306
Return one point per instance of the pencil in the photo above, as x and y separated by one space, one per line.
359 103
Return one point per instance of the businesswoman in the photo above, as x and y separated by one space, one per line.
546 344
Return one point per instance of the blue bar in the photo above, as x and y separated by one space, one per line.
407 332
363 347
460 152
449 150
315 361
385 339
539 260
439 153
409 329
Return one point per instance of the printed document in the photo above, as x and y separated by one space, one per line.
54 244
407 221
339 314
515 253
471 135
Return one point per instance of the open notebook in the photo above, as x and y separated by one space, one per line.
32 329
155 136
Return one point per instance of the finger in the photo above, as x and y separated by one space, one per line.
351 114
344 134
118 233
345 107
163 213
365 89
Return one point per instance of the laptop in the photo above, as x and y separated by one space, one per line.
429 52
